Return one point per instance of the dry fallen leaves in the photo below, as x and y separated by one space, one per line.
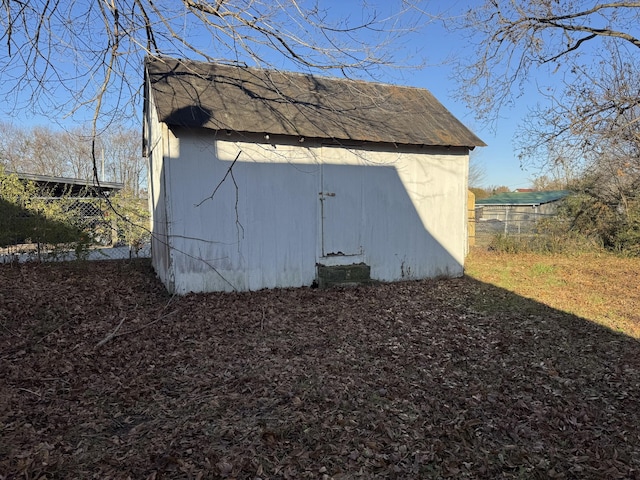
409 380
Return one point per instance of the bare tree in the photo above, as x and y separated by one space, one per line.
66 57
84 58
77 153
477 171
586 130
31 150
548 182
591 135
11 146
120 152
45 151
512 38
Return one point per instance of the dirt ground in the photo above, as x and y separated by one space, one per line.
103 375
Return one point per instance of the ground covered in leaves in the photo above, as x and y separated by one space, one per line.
103 375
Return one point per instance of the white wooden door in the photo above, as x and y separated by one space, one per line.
341 210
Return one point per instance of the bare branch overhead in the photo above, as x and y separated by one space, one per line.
514 39
65 57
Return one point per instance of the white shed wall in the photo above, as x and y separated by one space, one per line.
156 137
283 208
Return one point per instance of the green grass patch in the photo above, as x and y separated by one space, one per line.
600 287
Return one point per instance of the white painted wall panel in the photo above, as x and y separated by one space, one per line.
259 230
154 133
414 211
404 211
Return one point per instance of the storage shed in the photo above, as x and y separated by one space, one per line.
520 206
262 179
518 212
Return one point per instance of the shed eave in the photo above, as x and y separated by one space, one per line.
338 140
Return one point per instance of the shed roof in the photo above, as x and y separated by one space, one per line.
58 186
524 198
242 99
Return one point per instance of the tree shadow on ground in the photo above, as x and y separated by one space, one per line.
449 378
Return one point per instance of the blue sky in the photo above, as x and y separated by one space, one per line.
498 158
430 47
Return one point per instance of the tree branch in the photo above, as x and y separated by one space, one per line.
111 334
229 172
205 7
571 49
601 32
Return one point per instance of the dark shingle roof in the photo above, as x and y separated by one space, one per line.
58 186
524 198
242 99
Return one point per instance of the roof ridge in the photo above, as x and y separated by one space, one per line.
184 61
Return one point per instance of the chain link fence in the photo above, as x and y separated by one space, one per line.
37 228
507 221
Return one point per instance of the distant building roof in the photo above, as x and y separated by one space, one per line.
241 99
524 198
58 186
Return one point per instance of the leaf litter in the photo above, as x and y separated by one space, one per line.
104 375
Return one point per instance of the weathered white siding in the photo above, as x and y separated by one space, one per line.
287 205
154 135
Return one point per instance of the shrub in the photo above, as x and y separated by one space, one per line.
585 223
550 235
30 216
129 217
26 218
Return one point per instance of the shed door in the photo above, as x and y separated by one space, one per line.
341 209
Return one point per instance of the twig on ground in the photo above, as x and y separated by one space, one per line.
115 333
150 323
111 335
52 331
30 391
11 332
